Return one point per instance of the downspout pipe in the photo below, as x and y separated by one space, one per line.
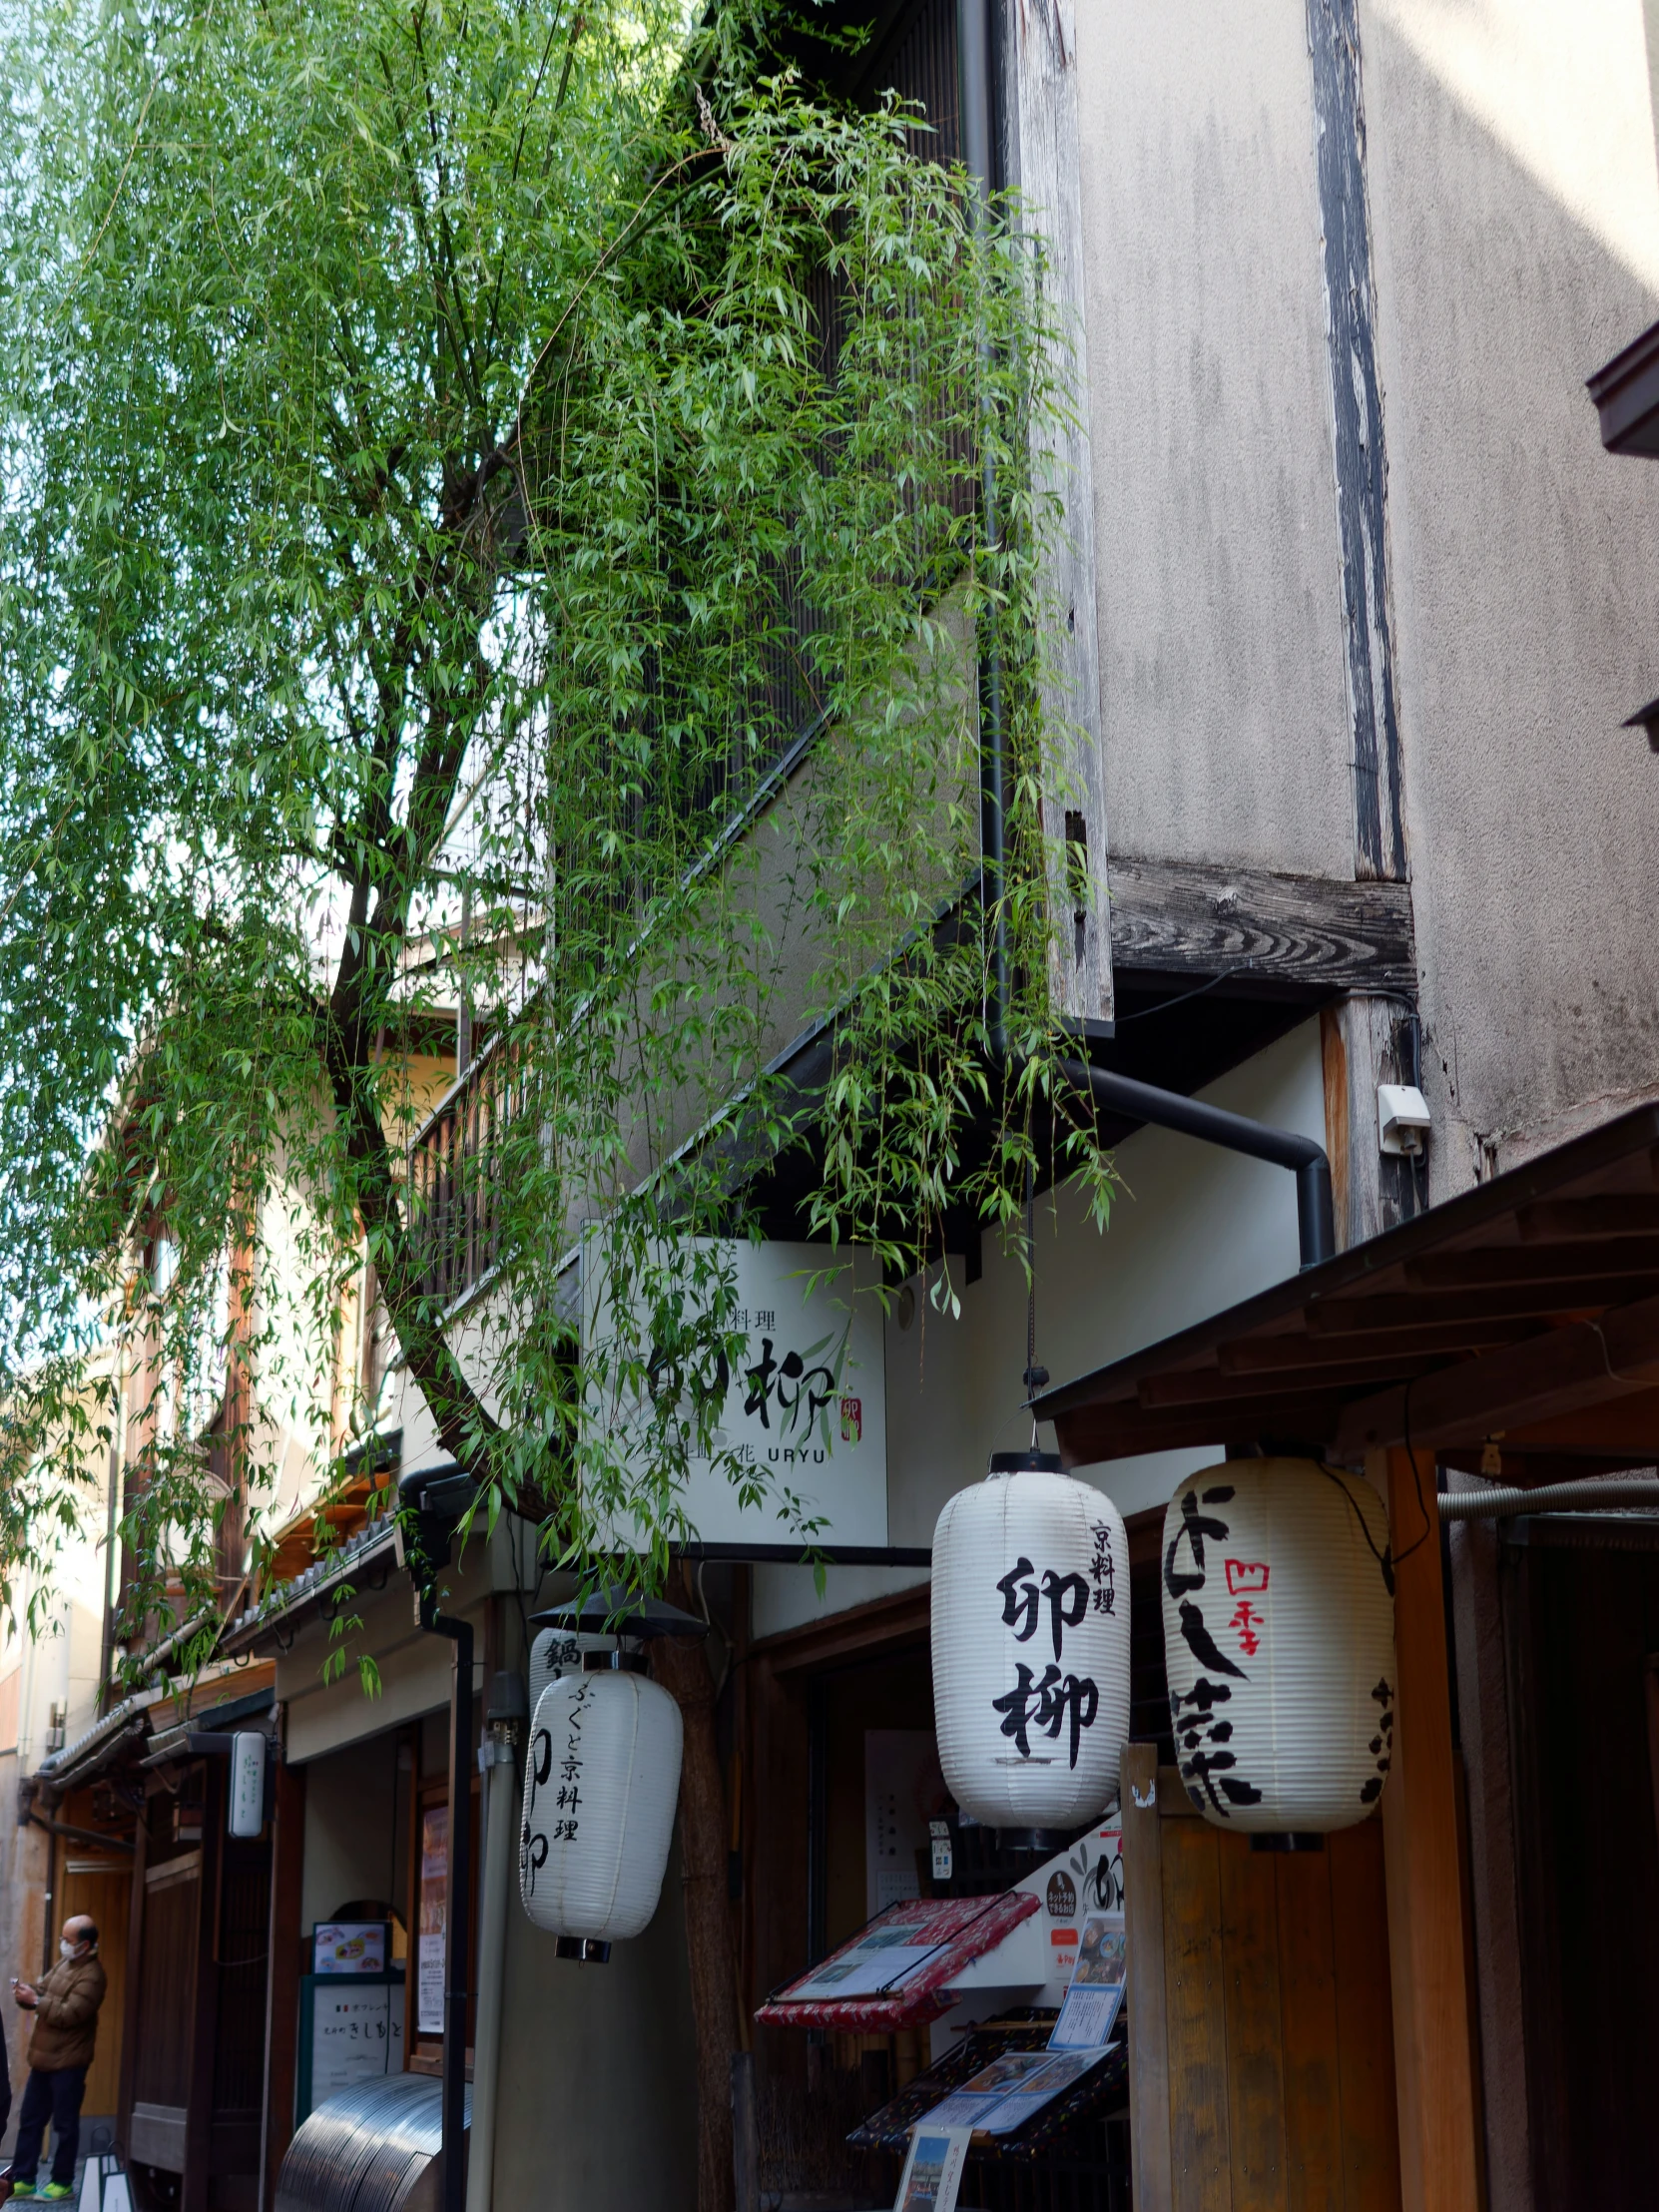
458 1886
505 1710
430 1503
1118 1094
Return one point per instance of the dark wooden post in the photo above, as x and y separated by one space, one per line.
1438 2164
682 1670
203 2032
135 1958
282 2029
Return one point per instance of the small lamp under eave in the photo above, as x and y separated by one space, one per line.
1030 1645
1278 1644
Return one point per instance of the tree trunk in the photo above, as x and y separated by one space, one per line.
682 1670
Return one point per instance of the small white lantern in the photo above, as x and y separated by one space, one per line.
245 1809
1278 1644
1030 1645
600 1790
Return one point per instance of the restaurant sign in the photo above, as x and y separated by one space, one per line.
805 1406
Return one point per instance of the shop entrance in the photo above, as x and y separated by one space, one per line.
839 1826
1581 1620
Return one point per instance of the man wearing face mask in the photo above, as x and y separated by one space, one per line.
60 2051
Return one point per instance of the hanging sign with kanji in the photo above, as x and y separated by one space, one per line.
803 1409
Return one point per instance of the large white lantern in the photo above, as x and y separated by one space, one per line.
560 1651
1030 1645
600 1788
1278 1644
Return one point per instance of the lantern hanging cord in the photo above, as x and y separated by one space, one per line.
1416 1481
1036 1377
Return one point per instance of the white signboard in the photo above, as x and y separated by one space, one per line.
355 2034
805 1405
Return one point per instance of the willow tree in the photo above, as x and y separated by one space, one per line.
453 455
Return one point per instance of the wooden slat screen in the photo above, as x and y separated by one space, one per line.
1261 2074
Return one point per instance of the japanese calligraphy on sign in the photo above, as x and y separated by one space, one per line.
804 1405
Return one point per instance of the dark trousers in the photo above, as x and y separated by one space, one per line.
55 2098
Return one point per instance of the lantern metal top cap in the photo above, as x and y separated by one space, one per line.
1026 1462
615 1610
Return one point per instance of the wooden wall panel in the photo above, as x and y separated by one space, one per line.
1310 2056
1255 2028
1195 2007
1261 2017
1364 2023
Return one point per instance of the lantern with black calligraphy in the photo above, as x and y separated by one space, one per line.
600 1787
1030 1645
1278 1644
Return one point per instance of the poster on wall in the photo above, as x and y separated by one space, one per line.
932 2169
805 1406
356 2034
904 1790
349 1946
1097 1983
434 1878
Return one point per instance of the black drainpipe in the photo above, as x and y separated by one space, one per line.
426 1536
1144 1102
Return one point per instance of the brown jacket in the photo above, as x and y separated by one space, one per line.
66 2019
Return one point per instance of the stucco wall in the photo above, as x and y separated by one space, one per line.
598 2095
1224 710
1515 229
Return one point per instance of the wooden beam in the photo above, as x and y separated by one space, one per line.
1183 919
1558 1372
1272 1355
1215 1385
1433 2079
1360 1317
1612 1214
1562 1265
1123 1426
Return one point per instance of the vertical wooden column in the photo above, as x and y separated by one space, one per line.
1435 2089
1143 1904
194 2189
282 2029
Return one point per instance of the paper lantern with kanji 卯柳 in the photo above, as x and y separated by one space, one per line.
1030 1645
1278 1644
600 1788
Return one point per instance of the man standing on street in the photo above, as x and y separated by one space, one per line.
60 2051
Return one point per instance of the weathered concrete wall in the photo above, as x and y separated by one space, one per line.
1224 707
1516 238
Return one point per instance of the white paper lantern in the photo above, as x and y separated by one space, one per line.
1030 1645
1278 1644
557 1652
600 1790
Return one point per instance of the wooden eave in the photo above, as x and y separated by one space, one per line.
1525 1311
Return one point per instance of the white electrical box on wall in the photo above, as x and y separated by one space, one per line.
1402 1119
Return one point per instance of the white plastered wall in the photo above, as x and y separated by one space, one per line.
1194 1230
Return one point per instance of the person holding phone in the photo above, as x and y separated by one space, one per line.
61 2044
